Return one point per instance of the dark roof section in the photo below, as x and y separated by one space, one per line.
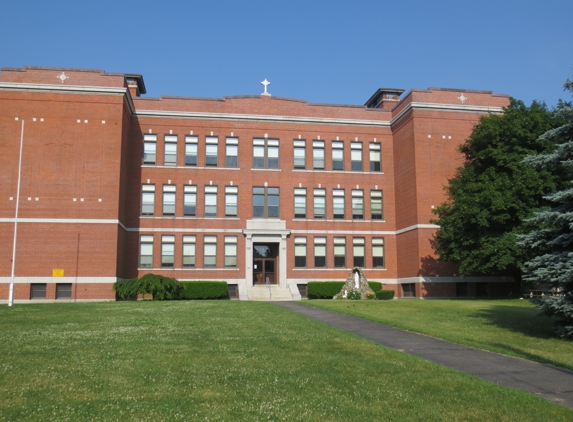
138 79
380 94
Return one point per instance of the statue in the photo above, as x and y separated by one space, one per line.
355 282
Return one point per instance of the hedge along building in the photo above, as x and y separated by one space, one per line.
266 193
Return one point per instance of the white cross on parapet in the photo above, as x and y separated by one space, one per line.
265 83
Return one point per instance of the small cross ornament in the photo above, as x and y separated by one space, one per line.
265 83
62 77
462 98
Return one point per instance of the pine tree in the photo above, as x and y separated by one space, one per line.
552 241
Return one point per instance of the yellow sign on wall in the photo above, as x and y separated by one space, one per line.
57 272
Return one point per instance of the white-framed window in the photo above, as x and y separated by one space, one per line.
319 203
265 153
149 149
230 251
190 200
378 253
320 252
167 251
147 199
210 201
299 154
338 204
375 157
357 204
318 155
266 202
191 150
231 152
231 201
209 251
358 252
170 151
376 207
337 155
146 251
340 252
300 252
211 151
169 193
300 203
356 156
189 243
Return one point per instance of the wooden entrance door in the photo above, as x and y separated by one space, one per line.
265 263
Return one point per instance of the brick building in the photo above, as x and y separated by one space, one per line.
246 189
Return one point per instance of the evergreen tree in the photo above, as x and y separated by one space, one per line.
490 198
552 241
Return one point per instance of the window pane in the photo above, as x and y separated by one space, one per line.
190 205
299 158
149 152
170 157
273 158
211 155
210 205
232 153
375 164
191 154
319 207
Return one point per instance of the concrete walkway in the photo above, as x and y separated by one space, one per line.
543 380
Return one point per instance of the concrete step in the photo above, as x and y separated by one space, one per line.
269 293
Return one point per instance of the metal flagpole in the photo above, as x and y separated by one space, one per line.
11 295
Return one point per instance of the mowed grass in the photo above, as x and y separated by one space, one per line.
512 327
226 360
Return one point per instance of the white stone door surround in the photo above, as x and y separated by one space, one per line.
266 230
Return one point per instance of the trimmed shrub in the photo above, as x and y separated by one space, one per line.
385 295
160 287
375 285
323 289
193 290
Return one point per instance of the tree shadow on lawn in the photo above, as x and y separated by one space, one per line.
527 321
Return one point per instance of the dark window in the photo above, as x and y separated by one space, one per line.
265 202
337 156
461 289
64 291
38 291
409 290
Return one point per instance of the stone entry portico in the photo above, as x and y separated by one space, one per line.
267 231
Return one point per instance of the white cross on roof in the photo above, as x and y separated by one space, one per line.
265 83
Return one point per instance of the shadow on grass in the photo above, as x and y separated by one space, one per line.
526 321
515 351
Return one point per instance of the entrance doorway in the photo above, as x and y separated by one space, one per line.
265 263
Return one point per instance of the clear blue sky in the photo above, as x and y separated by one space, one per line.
320 51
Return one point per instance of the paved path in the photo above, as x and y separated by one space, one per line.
547 381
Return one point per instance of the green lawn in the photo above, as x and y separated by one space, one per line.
512 327
226 360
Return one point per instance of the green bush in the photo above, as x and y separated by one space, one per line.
204 290
376 286
354 295
385 295
323 289
160 287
